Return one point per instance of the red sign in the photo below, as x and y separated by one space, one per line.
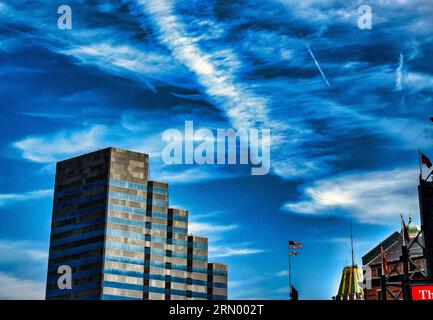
422 292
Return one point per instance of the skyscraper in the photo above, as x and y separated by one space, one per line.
114 229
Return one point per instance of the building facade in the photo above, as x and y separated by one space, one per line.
115 230
392 247
420 250
425 196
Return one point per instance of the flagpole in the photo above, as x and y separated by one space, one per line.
420 165
290 275
403 227
381 259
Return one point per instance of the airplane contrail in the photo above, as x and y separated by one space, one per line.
314 58
399 80
318 66
399 74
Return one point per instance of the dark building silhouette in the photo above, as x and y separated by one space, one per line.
425 193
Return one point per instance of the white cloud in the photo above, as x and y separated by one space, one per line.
370 198
29 260
13 288
282 273
215 232
8 198
419 81
53 116
22 251
203 227
142 63
54 147
50 148
399 74
215 71
225 251
194 175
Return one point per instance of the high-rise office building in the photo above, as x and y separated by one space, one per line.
115 230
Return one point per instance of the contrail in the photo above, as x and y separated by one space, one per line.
399 74
318 66
242 106
314 58
399 80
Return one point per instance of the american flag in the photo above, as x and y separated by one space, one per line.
294 245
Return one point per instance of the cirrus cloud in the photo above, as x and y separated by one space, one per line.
50 148
372 197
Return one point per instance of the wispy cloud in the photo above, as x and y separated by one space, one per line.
418 81
232 250
205 228
52 116
22 251
373 197
54 147
193 175
123 133
399 74
216 70
22 269
10 198
282 273
235 62
263 77
143 63
14 288
218 235
244 107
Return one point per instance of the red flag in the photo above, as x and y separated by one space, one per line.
426 161
385 268
293 253
406 236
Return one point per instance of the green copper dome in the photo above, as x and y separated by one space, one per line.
412 228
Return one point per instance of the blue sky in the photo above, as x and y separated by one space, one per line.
344 143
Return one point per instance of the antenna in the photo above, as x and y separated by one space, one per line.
351 243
